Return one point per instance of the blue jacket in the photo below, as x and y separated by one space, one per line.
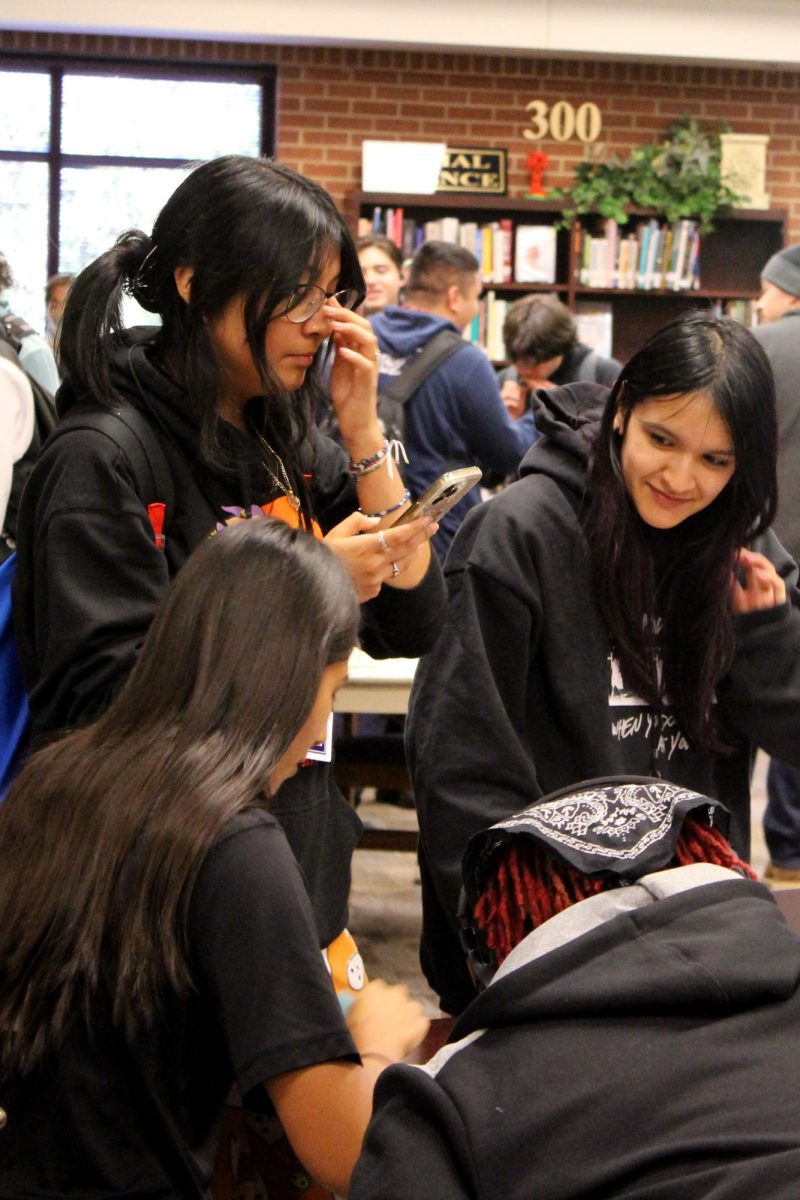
456 418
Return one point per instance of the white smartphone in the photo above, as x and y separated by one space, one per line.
440 497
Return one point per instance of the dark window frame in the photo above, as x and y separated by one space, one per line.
59 65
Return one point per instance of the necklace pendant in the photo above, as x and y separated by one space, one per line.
293 500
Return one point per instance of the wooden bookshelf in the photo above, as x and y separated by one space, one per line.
731 257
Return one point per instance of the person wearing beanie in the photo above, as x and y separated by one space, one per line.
780 284
779 335
641 999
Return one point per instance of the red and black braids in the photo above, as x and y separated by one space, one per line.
528 884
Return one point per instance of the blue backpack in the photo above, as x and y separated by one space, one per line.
13 700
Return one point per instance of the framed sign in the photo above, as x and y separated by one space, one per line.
474 169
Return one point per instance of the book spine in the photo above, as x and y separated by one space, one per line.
644 246
487 269
498 253
612 239
680 255
507 238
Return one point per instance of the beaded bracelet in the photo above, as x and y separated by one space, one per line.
365 466
406 496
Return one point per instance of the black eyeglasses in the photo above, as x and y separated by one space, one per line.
308 299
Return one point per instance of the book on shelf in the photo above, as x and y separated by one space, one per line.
486 330
491 242
450 230
652 256
502 249
744 311
595 325
535 254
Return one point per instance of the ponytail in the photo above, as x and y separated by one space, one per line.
93 312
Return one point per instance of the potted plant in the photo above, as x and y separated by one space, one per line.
678 177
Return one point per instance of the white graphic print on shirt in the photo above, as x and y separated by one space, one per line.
658 731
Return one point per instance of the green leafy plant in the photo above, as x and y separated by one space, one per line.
680 176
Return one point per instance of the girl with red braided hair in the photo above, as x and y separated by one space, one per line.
638 1031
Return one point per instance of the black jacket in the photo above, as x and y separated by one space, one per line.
641 1045
521 695
89 579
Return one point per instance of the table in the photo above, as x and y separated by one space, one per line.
375 686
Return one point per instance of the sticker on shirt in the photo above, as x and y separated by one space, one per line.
281 509
345 965
323 751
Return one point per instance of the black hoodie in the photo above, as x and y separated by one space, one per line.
521 695
89 579
643 1045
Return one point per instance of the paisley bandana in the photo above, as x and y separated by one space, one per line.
623 825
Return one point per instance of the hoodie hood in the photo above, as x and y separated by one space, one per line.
568 421
136 377
236 477
403 331
677 947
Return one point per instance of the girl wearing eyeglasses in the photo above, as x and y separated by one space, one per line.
250 268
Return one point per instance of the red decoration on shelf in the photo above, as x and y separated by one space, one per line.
536 162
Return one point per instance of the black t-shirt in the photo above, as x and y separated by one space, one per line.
103 1117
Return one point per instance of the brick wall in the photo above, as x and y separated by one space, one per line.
329 99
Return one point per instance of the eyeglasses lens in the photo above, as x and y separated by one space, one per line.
304 304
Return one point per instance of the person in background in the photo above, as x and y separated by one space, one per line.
156 935
55 294
382 265
624 608
779 336
455 418
543 350
639 1031
35 355
16 431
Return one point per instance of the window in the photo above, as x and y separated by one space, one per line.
90 150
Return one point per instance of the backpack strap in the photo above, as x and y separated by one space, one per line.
14 329
442 346
14 699
44 422
587 368
135 435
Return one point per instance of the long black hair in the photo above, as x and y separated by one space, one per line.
103 833
665 596
248 227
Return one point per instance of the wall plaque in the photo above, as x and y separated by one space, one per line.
474 169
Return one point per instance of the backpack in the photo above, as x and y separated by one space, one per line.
393 397
12 330
135 436
587 368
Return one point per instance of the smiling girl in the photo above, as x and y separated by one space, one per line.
622 609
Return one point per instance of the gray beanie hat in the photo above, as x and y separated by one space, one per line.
783 269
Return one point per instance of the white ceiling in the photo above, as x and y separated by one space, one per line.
725 31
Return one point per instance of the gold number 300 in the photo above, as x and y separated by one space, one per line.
562 121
